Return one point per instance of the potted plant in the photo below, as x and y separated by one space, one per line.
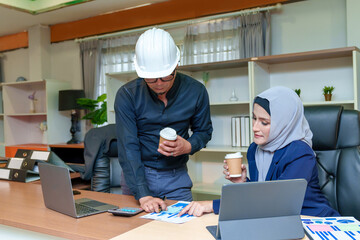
327 91
298 91
97 109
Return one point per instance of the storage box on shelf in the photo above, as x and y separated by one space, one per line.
23 116
309 71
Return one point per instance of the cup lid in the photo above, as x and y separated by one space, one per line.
233 155
168 133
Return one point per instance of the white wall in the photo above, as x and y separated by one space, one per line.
16 64
300 26
309 25
353 20
66 63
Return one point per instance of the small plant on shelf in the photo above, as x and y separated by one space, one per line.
298 91
327 91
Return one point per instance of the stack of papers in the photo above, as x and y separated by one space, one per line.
332 228
171 214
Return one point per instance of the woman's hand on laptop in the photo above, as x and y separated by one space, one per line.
235 179
197 208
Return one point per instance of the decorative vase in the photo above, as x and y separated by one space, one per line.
233 97
328 97
32 106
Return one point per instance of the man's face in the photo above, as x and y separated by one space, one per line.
161 85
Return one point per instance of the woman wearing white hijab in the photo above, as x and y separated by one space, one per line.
281 150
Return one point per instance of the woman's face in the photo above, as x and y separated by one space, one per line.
261 125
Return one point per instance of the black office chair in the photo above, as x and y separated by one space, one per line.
101 160
336 143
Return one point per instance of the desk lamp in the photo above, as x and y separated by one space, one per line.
68 101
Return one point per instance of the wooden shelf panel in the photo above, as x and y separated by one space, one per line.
328 103
24 84
26 114
304 56
229 103
215 65
227 149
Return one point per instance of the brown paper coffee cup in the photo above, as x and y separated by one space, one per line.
234 161
167 134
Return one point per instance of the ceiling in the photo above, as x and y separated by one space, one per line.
14 20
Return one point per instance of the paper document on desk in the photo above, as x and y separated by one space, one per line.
171 214
330 228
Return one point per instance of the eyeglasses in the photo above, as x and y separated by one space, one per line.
164 79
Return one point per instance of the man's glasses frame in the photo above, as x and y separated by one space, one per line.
163 79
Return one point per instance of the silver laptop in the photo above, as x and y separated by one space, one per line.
261 210
58 194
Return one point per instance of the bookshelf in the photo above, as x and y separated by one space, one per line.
21 123
309 71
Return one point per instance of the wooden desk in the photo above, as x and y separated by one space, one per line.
10 151
22 206
157 230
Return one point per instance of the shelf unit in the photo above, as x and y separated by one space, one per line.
21 126
205 167
113 82
309 71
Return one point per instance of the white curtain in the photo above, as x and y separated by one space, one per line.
227 39
117 55
91 64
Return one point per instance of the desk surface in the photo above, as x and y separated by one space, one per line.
22 206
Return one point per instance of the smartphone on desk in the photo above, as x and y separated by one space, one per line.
126 211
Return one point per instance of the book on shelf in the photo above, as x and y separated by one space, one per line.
247 131
235 131
237 123
240 131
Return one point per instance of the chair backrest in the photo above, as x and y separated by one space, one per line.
336 143
101 159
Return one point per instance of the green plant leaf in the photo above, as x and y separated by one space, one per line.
87 103
97 108
101 98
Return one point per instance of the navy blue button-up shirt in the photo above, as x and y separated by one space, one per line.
140 116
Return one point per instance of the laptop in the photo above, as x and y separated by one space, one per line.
261 210
58 194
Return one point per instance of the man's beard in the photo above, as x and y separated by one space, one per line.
162 93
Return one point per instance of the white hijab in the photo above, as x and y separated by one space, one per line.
288 124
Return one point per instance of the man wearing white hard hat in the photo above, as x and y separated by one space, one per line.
160 97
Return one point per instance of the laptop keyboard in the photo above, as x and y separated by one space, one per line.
83 210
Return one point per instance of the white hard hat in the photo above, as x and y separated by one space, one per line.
156 54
